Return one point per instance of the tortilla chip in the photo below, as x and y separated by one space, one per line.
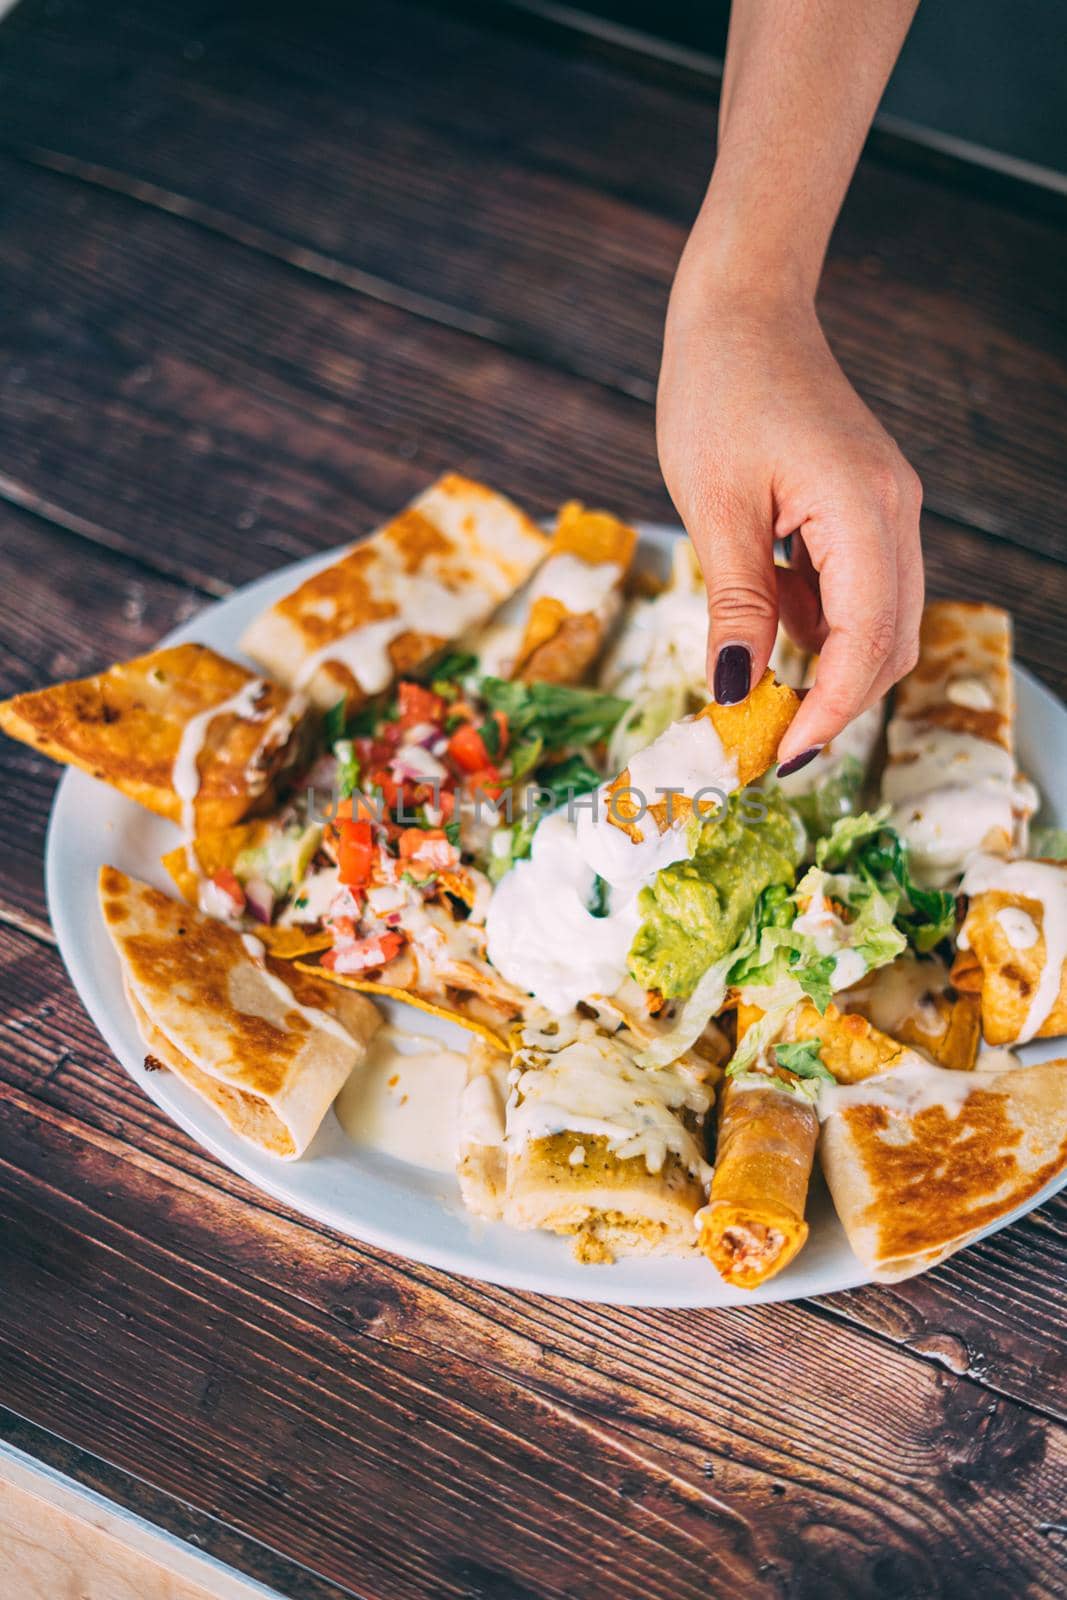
913 1000
458 535
212 852
461 1009
750 732
125 726
850 1046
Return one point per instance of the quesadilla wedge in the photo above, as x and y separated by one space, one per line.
1012 948
599 1149
950 775
922 1159
267 1046
183 731
392 602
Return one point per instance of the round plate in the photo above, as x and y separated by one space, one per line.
358 1191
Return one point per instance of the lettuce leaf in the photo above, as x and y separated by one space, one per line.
558 714
868 849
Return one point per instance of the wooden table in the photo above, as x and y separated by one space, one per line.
263 273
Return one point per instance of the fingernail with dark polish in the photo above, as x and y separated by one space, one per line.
798 761
733 674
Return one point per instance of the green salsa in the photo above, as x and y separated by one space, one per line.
695 911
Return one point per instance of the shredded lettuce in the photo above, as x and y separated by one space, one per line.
347 768
558 714
1049 843
836 797
866 847
804 1058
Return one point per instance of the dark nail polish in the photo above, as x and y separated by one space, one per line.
798 761
733 674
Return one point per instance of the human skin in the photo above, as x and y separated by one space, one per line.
760 433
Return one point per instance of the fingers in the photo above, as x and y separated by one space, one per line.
798 600
735 553
871 584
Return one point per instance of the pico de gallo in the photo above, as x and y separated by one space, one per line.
391 841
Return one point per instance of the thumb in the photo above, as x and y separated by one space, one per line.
737 560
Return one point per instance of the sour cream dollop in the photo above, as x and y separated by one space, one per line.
541 934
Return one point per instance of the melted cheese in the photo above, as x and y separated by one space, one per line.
593 1087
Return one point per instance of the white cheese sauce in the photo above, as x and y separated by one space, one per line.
580 586
913 1086
1044 883
405 1100
903 991
970 692
185 774
591 1087
423 605
1019 927
687 759
952 794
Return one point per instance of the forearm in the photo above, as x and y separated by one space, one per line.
803 80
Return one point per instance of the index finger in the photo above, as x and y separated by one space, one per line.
858 585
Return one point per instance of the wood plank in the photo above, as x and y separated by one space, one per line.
993 1314
135 1495
166 1316
539 199
58 1542
236 413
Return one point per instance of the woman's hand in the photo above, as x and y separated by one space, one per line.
760 433
761 436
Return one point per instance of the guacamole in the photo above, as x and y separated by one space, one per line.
695 911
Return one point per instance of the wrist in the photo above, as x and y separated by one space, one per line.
762 263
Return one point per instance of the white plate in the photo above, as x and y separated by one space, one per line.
363 1193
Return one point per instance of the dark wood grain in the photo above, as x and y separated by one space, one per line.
263 273
225 413
540 202
368 1399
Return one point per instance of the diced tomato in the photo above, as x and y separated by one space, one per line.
419 705
446 805
364 954
343 927
355 852
380 780
411 840
230 885
487 781
467 749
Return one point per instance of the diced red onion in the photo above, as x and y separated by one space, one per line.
260 899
